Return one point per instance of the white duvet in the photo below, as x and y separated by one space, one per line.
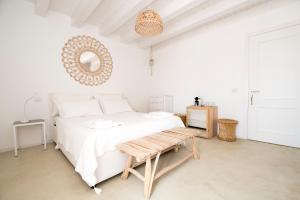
86 144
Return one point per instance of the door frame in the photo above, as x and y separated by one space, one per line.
249 35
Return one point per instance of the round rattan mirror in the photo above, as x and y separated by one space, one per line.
87 60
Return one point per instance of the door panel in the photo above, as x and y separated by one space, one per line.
274 81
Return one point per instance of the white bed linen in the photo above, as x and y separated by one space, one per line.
86 145
102 124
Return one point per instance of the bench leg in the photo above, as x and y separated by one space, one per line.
128 165
195 151
147 178
153 173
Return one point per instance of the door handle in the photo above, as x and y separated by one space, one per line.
252 96
254 91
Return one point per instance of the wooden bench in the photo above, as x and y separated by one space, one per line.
144 149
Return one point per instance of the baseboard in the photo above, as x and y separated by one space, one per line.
23 146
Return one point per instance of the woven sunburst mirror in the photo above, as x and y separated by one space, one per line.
87 60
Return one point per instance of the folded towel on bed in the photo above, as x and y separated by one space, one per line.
102 124
159 115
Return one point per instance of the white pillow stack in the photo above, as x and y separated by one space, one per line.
67 106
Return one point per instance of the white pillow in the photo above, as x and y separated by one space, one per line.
115 106
79 108
107 97
60 98
115 96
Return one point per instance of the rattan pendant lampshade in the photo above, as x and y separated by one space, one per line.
148 23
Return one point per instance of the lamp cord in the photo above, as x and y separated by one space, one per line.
151 61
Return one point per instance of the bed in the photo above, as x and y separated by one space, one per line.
92 151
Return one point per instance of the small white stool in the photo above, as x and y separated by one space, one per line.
17 124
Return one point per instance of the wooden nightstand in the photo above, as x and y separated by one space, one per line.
17 124
204 118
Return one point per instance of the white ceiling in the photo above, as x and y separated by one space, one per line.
117 17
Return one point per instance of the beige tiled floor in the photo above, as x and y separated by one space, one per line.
244 170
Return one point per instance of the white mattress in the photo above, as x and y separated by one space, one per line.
86 145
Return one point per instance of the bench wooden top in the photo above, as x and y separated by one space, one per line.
150 145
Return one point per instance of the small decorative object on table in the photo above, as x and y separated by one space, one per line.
182 117
196 101
227 129
17 124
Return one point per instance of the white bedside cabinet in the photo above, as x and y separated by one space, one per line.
17 124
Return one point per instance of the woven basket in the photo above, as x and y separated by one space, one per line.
227 129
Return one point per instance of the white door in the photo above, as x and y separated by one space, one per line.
274 87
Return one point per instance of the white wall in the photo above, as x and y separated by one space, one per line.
211 62
30 61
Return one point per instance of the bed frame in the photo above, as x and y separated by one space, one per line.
109 164
116 159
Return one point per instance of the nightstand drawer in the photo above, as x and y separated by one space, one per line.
196 123
198 114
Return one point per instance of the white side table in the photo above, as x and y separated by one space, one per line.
17 124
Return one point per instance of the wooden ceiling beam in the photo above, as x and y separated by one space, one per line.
181 8
171 12
215 12
124 15
42 7
83 10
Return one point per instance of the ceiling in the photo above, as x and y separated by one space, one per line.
117 17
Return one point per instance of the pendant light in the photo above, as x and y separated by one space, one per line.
148 23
